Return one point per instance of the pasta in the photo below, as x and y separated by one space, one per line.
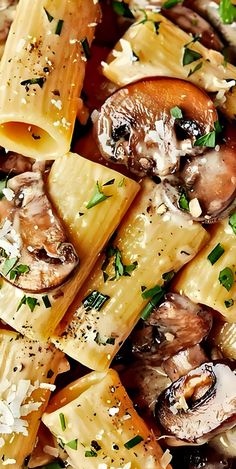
41 75
152 244
24 393
144 51
71 185
94 418
215 289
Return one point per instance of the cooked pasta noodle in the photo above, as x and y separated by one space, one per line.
151 243
41 75
94 418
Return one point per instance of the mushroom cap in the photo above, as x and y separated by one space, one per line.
135 126
33 235
199 405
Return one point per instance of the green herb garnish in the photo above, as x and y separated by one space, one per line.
33 81
98 197
73 444
168 276
195 69
215 254
29 301
19 270
156 295
227 11
8 265
133 442
90 454
226 278
50 17
120 269
183 201
59 27
62 421
229 303
190 56
46 301
209 140
171 3
176 112
122 9
151 292
95 300
84 43
232 222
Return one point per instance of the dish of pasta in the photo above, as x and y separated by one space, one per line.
118 234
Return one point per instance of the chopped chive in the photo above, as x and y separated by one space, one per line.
195 69
122 9
97 197
84 43
190 56
215 254
8 265
50 17
226 278
33 81
151 292
73 444
59 27
232 222
109 183
168 276
95 300
62 421
227 11
90 454
133 442
229 303
176 112
148 309
46 301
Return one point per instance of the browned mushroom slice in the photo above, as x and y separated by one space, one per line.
199 405
193 23
36 254
184 361
151 124
175 325
216 171
14 162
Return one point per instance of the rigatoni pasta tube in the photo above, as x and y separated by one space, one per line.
27 372
213 284
149 244
73 185
95 418
145 51
41 75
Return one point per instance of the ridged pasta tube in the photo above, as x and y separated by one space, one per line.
149 244
42 73
97 423
27 371
73 183
213 284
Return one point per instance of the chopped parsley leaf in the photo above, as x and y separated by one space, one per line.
50 17
209 140
229 303
90 454
122 9
227 11
232 222
226 278
97 197
62 421
176 112
19 270
133 442
8 265
95 300
73 444
190 56
215 254
183 201
29 301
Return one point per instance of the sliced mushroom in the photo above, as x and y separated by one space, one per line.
136 126
199 405
215 170
14 162
175 325
184 361
193 23
198 457
7 12
32 235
